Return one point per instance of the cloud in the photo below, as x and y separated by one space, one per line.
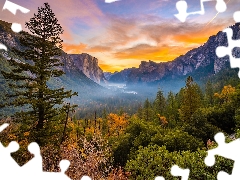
108 67
99 49
117 66
74 48
146 52
122 34
67 12
158 40
126 41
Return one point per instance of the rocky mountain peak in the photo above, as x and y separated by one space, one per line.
73 63
85 63
201 61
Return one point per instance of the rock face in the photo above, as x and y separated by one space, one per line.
72 62
201 61
84 63
121 77
108 75
7 37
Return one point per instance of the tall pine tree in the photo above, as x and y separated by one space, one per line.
191 99
28 79
209 94
160 103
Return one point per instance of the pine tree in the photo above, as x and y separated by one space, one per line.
171 108
147 111
160 103
29 79
209 93
191 99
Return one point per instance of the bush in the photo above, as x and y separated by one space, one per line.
155 161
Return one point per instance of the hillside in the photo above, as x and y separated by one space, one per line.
82 71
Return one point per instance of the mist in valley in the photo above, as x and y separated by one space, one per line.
118 97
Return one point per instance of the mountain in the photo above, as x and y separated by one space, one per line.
82 73
107 75
200 62
84 63
122 76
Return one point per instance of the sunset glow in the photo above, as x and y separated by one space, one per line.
126 32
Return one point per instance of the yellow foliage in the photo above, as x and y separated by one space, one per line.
216 95
26 134
116 123
163 120
226 93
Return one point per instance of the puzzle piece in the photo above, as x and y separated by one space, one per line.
4 126
34 166
236 16
86 178
2 46
159 178
182 9
9 164
64 164
111 1
12 7
177 171
227 150
222 51
16 27
9 169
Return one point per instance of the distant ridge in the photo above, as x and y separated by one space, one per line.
199 62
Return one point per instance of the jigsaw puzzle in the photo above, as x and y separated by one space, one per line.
33 169
182 9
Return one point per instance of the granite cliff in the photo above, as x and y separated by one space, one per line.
84 63
199 62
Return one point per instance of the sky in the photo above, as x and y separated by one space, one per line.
124 33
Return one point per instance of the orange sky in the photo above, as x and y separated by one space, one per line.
166 48
126 32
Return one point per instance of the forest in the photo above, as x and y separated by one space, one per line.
113 143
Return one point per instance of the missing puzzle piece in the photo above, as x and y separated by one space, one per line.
111 1
12 7
7 164
182 9
177 171
227 150
222 51
4 126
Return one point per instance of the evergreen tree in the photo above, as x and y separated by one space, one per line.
191 99
29 79
171 108
147 111
160 102
209 93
